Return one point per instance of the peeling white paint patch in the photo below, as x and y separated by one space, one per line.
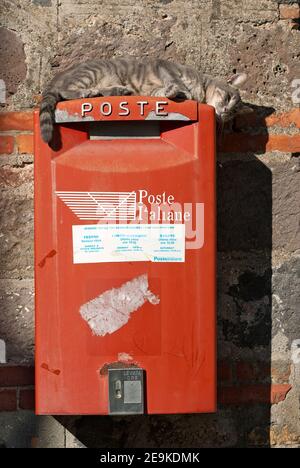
2 352
124 357
170 116
112 309
62 116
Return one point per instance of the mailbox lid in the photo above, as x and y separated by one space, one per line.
125 108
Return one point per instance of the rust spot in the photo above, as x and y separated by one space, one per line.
49 255
116 365
53 371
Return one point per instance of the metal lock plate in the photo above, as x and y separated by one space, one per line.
126 391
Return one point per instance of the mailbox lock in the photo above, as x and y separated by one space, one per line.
118 389
126 390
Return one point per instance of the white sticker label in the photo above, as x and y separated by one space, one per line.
132 391
98 243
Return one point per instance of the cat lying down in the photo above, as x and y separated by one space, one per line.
122 77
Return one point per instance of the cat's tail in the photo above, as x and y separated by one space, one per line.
47 108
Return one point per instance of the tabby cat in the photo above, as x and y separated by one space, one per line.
121 77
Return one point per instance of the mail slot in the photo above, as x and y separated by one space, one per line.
125 254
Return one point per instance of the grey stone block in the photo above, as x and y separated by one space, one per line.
16 222
22 429
17 319
17 429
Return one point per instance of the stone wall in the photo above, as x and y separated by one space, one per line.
258 209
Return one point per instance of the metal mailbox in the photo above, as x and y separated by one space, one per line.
125 258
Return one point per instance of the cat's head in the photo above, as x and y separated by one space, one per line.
224 96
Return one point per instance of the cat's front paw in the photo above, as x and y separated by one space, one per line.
171 91
122 91
174 92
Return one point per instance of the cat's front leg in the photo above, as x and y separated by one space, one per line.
172 91
117 90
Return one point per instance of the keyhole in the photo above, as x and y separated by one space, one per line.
118 389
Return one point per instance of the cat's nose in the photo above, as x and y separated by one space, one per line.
225 109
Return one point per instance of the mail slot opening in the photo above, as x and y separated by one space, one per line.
123 130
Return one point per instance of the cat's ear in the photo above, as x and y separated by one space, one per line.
244 109
237 80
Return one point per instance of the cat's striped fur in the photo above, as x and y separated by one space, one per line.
118 77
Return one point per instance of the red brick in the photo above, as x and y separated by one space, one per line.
24 143
26 399
283 120
6 144
242 142
279 392
289 11
224 371
252 371
253 394
14 376
241 395
284 143
8 400
16 121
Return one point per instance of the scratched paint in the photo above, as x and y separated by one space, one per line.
45 366
111 310
125 357
62 116
49 255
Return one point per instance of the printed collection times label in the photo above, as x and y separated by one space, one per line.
128 243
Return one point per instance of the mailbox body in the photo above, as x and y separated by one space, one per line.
172 338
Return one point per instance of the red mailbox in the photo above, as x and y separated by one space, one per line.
125 258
